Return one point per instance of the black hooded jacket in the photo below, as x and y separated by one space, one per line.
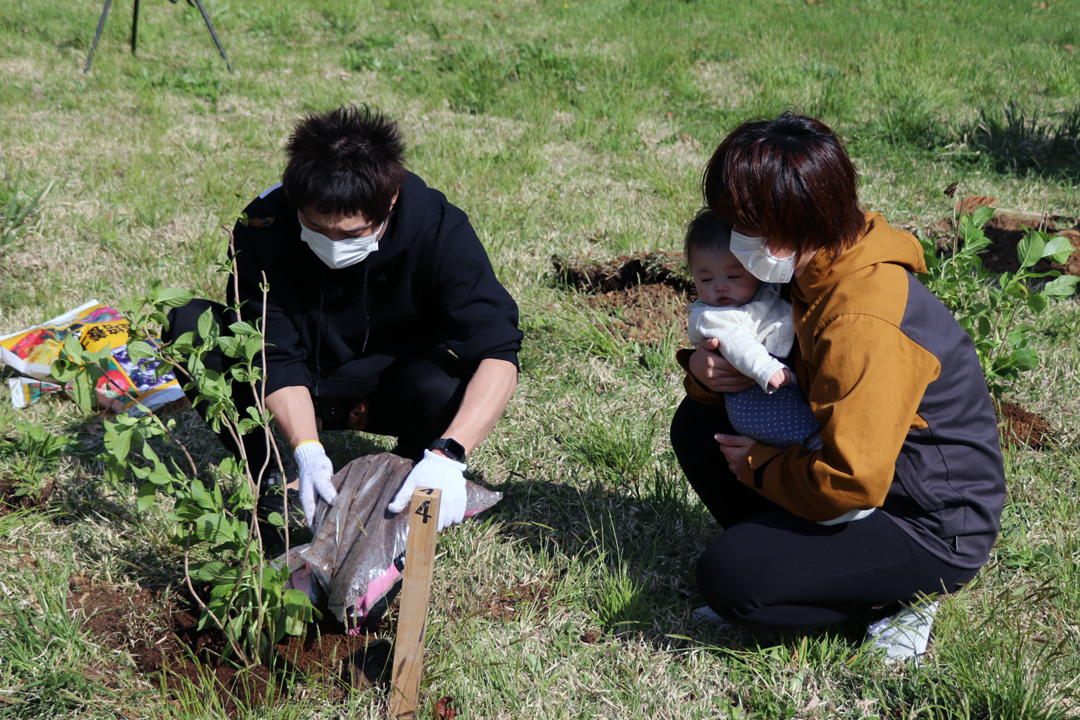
429 284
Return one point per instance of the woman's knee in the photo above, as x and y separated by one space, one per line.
693 428
728 582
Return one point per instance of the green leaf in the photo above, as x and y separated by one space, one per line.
243 328
1063 286
229 345
140 350
1030 248
1058 249
214 529
207 325
977 244
131 305
1037 302
200 496
1021 360
117 441
174 297
186 512
982 216
146 496
215 571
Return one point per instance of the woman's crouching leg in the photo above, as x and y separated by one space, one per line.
778 571
693 431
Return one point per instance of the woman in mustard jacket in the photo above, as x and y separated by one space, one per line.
903 500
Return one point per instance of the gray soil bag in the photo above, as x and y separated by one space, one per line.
358 550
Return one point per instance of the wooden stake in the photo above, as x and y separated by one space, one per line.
415 596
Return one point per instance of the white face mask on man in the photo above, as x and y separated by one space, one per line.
754 255
339 254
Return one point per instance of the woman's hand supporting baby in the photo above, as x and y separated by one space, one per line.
715 373
735 449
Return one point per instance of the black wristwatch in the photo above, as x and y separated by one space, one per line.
451 447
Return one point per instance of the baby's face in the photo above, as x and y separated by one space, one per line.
720 279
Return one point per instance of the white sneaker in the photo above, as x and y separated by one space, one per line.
705 614
905 635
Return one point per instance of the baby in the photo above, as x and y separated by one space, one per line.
754 327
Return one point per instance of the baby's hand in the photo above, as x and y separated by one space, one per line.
780 378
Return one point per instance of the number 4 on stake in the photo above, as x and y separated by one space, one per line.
415 595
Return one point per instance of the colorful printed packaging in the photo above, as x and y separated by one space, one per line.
127 384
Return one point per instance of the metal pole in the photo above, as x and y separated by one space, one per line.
210 27
134 26
97 35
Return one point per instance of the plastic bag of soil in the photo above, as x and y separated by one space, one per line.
358 551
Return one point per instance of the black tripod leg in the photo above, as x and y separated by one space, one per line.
134 26
97 35
210 27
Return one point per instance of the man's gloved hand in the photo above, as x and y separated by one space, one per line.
315 473
436 471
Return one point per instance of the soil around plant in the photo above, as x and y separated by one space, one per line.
1005 230
167 648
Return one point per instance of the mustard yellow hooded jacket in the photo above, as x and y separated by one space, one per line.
908 424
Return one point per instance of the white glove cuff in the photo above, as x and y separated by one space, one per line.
308 452
434 458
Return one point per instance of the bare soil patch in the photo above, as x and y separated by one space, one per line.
595 276
644 294
1006 229
170 649
10 499
1019 427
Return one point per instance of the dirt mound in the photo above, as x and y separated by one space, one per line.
645 295
1019 427
624 272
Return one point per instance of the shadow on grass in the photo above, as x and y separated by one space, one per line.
644 542
1011 140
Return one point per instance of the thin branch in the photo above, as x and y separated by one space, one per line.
202 606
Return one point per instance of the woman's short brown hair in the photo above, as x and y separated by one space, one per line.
789 180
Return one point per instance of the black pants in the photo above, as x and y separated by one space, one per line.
415 399
772 569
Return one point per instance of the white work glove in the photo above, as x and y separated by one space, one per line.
316 470
436 471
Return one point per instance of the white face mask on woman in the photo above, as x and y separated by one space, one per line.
339 254
754 255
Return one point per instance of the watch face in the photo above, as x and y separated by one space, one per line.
451 447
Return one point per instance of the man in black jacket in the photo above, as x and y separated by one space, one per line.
382 311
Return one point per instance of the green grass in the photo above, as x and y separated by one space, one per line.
561 128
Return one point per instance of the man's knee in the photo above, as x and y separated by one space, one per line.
186 318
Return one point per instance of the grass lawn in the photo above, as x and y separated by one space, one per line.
568 127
